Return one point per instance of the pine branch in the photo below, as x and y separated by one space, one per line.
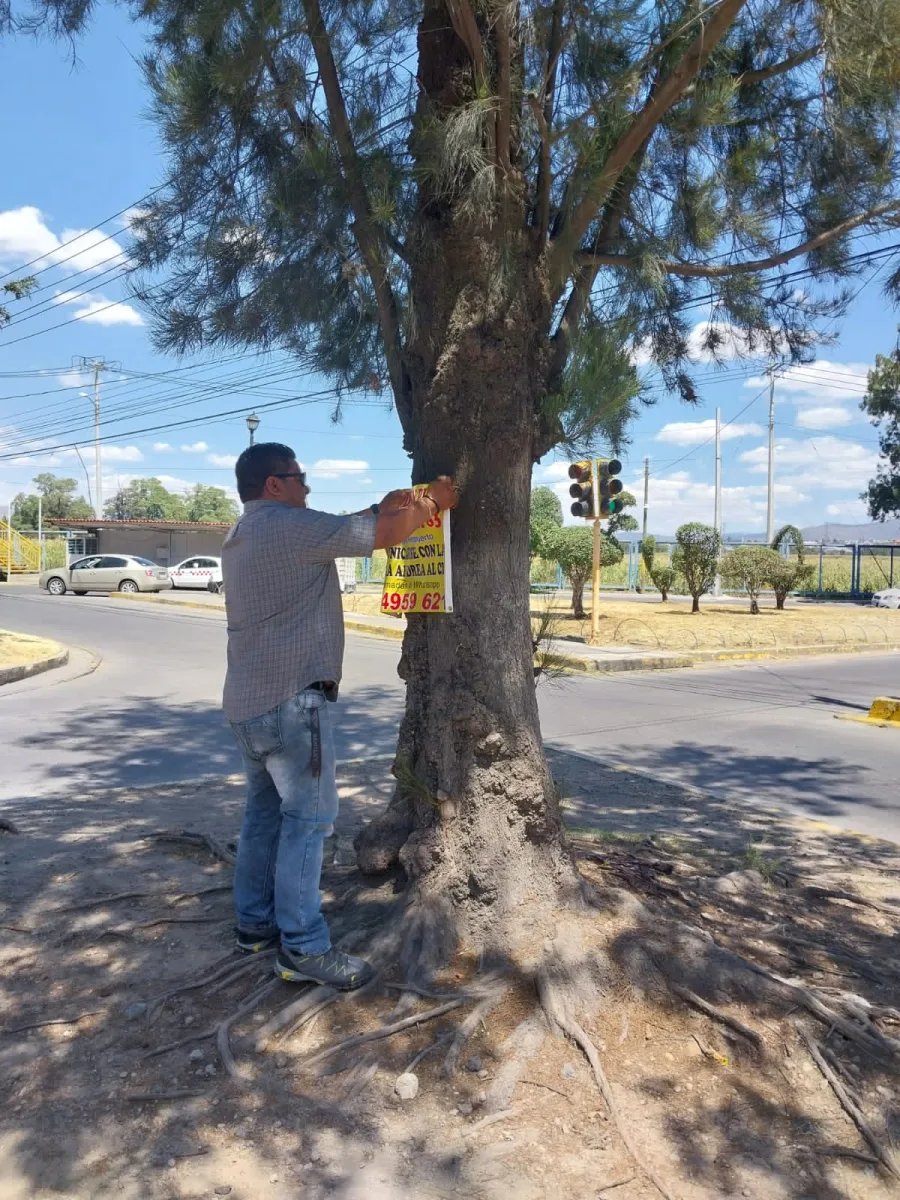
504 114
543 115
703 271
642 127
364 226
466 29
749 78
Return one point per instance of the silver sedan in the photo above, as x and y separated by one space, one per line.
106 573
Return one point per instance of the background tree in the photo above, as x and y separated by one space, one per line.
545 520
203 503
882 403
662 575
696 557
750 568
58 499
17 289
787 575
146 500
573 548
476 205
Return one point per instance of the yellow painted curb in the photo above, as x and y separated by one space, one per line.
884 712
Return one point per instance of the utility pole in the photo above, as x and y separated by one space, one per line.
646 497
97 365
717 511
770 508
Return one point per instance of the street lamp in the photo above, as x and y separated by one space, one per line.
252 425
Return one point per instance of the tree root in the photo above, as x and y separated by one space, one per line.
92 1012
7 826
716 1014
362 1039
244 969
297 1008
521 1047
491 1119
469 1025
158 1097
310 1017
222 1029
850 1108
216 848
556 1012
815 892
99 901
154 1005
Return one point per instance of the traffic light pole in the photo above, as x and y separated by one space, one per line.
595 566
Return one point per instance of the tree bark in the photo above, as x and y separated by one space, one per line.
695 606
780 598
578 598
475 819
754 606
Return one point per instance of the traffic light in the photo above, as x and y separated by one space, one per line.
608 485
582 491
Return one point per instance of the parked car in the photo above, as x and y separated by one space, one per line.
888 598
106 573
196 573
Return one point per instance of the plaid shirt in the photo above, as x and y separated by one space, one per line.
283 601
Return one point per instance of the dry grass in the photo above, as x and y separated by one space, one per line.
672 626
18 648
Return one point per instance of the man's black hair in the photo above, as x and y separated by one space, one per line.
257 463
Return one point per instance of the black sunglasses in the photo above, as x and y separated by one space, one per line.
301 475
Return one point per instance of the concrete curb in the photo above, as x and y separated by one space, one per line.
25 670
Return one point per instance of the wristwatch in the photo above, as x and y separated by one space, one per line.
374 508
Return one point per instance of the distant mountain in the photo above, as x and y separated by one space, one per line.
871 531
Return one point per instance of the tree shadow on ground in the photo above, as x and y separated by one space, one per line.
71 1127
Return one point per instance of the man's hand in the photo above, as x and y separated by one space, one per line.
401 498
444 493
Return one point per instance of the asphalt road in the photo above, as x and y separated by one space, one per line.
763 732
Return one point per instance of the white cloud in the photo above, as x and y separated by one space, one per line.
105 312
677 498
159 447
222 460
849 510
24 235
108 454
75 379
557 470
334 468
831 462
826 417
821 382
195 448
693 433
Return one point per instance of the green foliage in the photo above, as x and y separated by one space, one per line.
789 575
58 499
789 533
696 557
787 131
146 500
17 289
882 403
203 503
573 548
648 551
545 519
663 579
750 568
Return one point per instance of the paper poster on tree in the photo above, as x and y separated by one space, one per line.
418 576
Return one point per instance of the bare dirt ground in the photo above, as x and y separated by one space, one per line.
139 1057
672 626
18 648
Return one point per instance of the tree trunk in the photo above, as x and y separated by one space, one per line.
754 606
695 606
665 594
475 820
578 597
780 598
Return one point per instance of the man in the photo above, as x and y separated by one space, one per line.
285 652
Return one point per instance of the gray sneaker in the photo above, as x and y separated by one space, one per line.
334 969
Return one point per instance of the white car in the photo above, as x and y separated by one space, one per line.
889 598
196 572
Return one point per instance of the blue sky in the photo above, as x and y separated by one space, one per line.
77 147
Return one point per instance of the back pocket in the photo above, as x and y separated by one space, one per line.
262 736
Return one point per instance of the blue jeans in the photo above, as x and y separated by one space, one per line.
292 803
